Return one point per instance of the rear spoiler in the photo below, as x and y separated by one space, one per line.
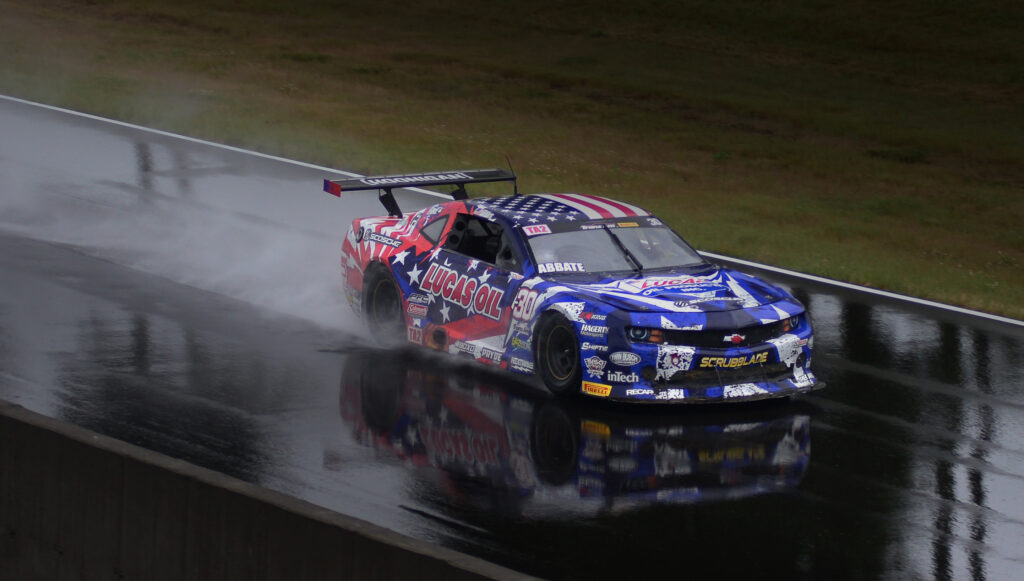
386 183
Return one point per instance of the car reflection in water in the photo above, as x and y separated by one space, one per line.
503 445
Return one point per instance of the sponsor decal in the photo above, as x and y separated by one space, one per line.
595 428
595 226
416 310
469 293
654 221
734 454
689 284
587 346
742 390
628 225
491 354
595 366
521 327
593 330
624 358
463 347
598 389
371 236
592 317
734 361
670 282
425 178
419 299
671 394
691 302
520 365
546 267
520 343
415 335
620 377
483 213
639 391
735 338
460 445
536 230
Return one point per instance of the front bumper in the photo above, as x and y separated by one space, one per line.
659 373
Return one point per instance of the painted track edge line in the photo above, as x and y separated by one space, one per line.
865 289
792 273
203 142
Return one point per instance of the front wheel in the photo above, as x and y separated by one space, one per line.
558 355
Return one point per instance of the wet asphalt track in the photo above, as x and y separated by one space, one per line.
184 297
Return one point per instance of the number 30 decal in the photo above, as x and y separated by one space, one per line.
525 304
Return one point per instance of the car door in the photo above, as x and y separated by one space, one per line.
470 279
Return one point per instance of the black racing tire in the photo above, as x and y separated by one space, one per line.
382 306
558 355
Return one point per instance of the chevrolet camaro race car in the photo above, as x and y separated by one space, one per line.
589 294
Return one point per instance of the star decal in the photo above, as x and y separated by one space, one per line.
473 264
486 275
433 253
414 274
444 313
400 257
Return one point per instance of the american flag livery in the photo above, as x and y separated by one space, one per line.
591 295
536 208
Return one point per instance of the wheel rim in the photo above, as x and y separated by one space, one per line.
561 353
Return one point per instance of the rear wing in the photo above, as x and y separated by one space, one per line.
386 183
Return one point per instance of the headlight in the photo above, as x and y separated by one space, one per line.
790 324
645 335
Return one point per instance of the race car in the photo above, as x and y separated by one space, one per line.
590 295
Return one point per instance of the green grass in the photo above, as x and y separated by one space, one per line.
878 143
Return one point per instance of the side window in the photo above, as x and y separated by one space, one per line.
433 230
508 256
483 240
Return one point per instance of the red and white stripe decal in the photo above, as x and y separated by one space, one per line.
597 208
628 209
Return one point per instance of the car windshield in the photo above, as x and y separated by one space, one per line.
604 249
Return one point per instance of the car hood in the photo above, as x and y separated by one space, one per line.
719 290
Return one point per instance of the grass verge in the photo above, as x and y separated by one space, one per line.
877 146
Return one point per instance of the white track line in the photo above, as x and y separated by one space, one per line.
864 289
792 273
209 143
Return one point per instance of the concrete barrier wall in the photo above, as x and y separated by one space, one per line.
78 505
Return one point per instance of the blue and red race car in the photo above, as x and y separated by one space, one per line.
591 295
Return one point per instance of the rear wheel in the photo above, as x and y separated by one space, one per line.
558 355
382 305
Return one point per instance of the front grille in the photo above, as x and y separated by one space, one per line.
716 339
716 376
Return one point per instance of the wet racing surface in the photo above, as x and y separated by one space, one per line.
184 298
